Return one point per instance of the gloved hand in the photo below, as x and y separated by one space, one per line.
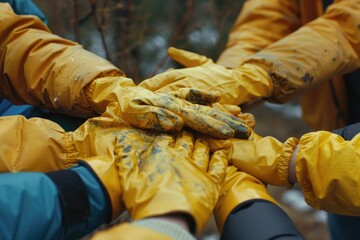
74 81
244 84
164 111
174 176
265 158
234 110
238 187
101 143
94 142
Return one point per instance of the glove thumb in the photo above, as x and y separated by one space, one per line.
186 58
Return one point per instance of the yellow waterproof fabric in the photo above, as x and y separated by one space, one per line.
128 231
265 158
165 111
41 145
175 175
42 69
238 187
31 145
246 83
297 58
327 168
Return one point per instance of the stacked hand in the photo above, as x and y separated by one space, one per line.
175 175
236 86
265 158
164 111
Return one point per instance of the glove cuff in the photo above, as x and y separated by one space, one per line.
256 83
284 161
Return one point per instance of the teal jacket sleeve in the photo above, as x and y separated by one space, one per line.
26 7
41 206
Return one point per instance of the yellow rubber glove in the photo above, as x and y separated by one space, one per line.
165 111
104 141
266 158
60 75
238 187
174 176
94 142
248 118
244 84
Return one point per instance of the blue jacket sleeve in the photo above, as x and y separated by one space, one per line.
33 205
30 207
26 7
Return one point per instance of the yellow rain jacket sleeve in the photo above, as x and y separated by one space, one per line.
101 142
327 167
42 69
327 46
259 24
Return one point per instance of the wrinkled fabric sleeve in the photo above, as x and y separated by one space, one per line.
326 47
327 168
47 151
259 24
42 69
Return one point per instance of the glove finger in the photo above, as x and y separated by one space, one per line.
215 144
228 108
200 155
234 110
185 144
242 131
162 142
160 80
206 124
191 117
186 58
218 164
196 96
248 119
155 118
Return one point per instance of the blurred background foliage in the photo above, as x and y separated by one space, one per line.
135 34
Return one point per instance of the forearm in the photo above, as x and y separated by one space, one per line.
327 169
44 137
66 204
248 35
42 69
326 47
